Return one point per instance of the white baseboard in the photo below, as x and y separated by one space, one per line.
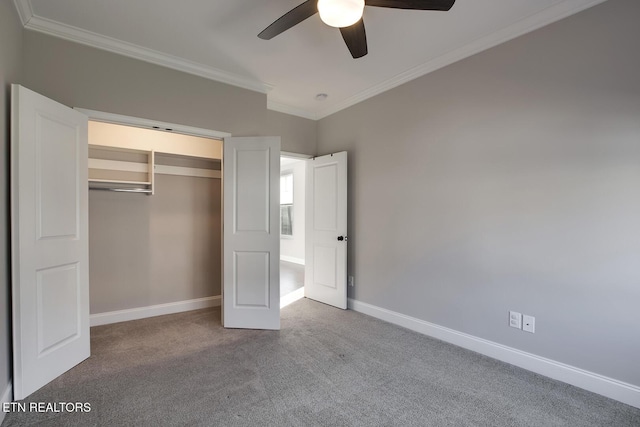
292 259
153 310
609 387
291 297
7 397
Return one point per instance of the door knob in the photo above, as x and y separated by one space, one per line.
341 238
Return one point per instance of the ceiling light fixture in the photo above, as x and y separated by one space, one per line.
340 13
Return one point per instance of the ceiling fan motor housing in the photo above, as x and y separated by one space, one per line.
340 13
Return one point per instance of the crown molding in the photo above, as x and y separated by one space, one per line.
24 9
78 35
88 38
526 25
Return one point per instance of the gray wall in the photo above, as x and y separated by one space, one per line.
509 181
147 250
81 76
10 68
298 134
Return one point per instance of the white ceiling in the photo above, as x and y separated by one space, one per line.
218 39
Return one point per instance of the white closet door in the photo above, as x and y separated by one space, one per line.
251 277
325 277
49 194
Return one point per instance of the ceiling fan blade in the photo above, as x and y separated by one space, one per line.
413 4
289 19
356 39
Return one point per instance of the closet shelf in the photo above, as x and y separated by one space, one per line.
119 181
118 173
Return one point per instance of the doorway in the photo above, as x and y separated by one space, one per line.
292 227
154 222
313 235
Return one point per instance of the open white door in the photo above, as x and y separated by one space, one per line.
49 223
251 248
325 272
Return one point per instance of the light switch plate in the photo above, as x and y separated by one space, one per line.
515 319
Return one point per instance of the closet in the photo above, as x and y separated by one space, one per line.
154 222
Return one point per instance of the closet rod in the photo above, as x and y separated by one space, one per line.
123 190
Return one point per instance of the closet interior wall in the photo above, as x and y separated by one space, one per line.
147 250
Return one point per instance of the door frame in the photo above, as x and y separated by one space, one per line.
295 296
119 119
330 287
298 157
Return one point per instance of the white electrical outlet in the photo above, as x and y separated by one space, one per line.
529 323
515 319
351 281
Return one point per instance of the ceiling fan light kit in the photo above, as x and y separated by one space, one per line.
347 16
340 13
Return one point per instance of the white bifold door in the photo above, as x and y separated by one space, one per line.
251 233
50 279
326 230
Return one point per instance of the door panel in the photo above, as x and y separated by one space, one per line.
50 280
325 209
58 289
251 276
251 193
251 270
56 164
325 258
326 230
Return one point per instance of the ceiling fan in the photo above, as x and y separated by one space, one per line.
347 16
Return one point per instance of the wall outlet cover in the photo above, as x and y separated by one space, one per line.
529 323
